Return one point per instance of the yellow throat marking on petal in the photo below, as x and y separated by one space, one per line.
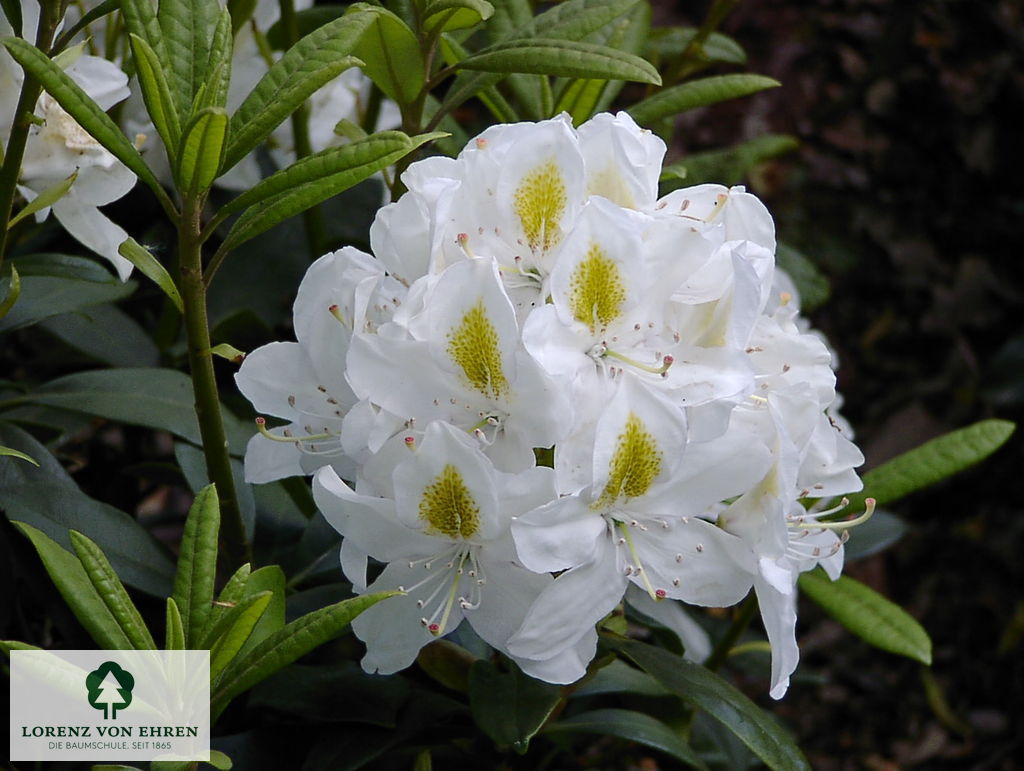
610 184
596 290
539 203
447 507
635 464
473 346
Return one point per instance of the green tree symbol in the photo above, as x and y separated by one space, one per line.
110 688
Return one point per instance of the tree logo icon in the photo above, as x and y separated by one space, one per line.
110 688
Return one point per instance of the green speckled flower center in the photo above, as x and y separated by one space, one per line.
539 203
473 346
596 290
447 507
635 464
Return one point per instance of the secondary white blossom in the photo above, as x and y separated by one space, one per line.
58 148
546 304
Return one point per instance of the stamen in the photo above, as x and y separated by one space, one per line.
666 362
410 443
261 426
869 510
636 558
462 239
335 311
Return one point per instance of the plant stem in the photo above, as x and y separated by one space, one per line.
204 383
15 152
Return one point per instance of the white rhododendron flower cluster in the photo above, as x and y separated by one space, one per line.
534 293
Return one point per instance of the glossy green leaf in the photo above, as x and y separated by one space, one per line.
52 292
671 101
704 689
112 592
47 498
390 53
314 60
868 615
82 108
11 294
329 172
149 266
726 167
631 726
140 17
105 334
155 398
448 15
46 198
455 52
187 27
669 42
932 462
810 283
227 614
509 707
269 578
201 152
286 645
78 591
228 352
620 677
13 645
567 58
218 77
220 761
99 11
229 596
238 626
12 453
197 564
175 638
160 103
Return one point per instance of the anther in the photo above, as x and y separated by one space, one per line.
700 547
660 594
336 312
410 442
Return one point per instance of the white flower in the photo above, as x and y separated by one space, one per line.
443 530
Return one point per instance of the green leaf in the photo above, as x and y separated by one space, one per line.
156 93
567 58
82 108
339 168
726 167
175 639
13 645
932 462
229 596
155 398
112 592
220 761
390 53
706 690
149 266
269 578
669 42
12 10
241 11
810 283
306 21
620 677
12 293
48 499
106 334
197 564
78 591
187 26
201 151
101 10
218 78
228 352
868 615
448 15
671 101
510 707
240 621
314 60
631 726
286 645
11 453
46 198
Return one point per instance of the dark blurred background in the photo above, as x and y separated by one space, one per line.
908 193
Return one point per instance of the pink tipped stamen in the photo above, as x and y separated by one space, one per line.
410 442
335 311
261 426
660 594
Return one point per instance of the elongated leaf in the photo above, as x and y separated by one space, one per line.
672 41
12 453
217 628
201 151
186 26
242 620
390 53
160 103
241 11
229 596
12 294
82 108
101 10
510 707
932 462
112 592
265 214
78 591
306 21
269 578
175 639
155 398
46 198
698 93
197 564
567 58
106 334
318 58
13 645
286 645
704 689
219 76
726 167
631 726
448 15
868 615
48 499
149 266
